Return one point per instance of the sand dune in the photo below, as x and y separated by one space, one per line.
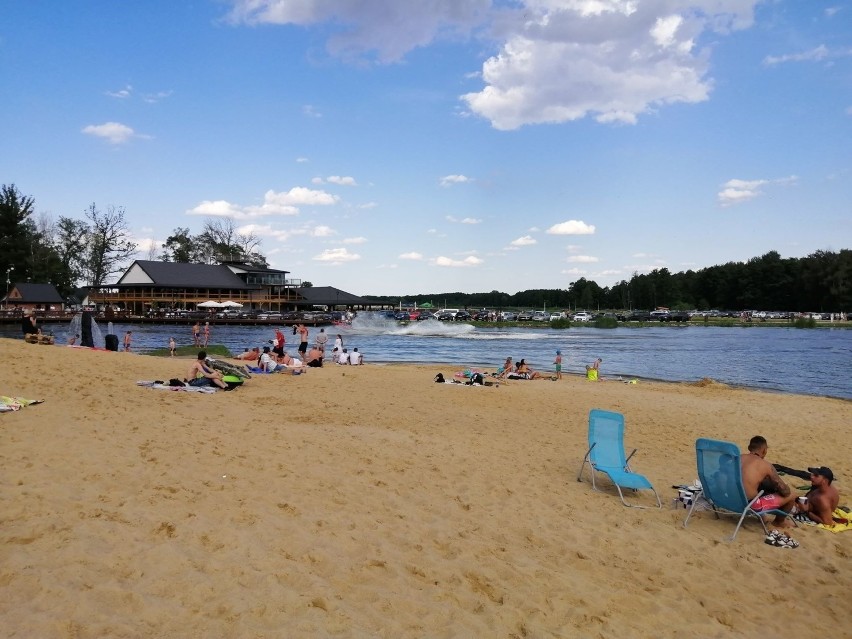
370 502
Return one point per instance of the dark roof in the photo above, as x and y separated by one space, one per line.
35 294
328 295
180 275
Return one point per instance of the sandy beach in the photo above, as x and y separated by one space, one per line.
371 502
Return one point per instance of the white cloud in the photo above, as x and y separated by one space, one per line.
284 203
449 180
355 240
413 255
466 262
739 191
336 256
573 271
526 240
323 231
153 98
814 55
302 160
832 11
389 28
610 59
581 259
112 132
310 111
341 181
571 227
368 205
467 220
126 92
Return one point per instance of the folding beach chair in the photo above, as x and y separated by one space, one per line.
722 483
606 455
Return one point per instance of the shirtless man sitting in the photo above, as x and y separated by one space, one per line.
759 474
822 498
200 375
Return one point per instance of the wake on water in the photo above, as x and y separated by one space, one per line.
377 324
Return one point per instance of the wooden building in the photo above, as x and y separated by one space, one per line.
150 285
33 297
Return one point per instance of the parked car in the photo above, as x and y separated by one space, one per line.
481 316
463 316
525 316
269 315
508 316
582 316
540 316
402 316
444 316
639 316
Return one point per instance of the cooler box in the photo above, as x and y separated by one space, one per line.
111 342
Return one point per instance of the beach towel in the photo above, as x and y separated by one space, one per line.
186 389
9 404
842 521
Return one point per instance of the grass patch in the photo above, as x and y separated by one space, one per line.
805 322
606 322
192 351
560 323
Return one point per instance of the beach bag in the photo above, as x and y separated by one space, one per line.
439 378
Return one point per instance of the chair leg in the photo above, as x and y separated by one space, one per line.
692 508
583 465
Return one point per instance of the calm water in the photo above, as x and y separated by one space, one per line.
814 362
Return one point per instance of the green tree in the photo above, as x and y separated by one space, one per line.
16 232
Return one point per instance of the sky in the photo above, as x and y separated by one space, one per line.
393 147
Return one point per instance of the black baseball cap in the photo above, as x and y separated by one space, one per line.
825 471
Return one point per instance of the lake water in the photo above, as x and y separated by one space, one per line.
808 361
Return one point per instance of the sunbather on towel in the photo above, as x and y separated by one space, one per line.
759 474
822 498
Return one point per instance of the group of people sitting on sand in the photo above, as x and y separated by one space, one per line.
522 370
818 505
270 361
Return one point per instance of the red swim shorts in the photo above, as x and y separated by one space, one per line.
767 502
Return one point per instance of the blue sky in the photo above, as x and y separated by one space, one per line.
393 146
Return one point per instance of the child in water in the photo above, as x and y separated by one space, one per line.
172 346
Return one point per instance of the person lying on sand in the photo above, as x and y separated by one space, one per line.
758 474
292 363
200 375
249 355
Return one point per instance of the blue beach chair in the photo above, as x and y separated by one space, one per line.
722 483
606 455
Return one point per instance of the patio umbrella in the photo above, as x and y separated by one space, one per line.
230 304
426 305
209 304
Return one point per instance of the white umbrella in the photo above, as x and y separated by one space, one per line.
230 304
209 304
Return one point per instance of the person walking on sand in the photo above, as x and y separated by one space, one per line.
278 343
557 364
322 340
196 334
206 334
303 340
172 346
127 338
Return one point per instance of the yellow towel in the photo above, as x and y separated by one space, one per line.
839 527
16 403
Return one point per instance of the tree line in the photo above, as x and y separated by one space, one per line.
821 282
68 252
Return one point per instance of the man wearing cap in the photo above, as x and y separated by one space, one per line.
759 474
822 498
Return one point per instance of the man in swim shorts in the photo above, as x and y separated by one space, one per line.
200 375
758 474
